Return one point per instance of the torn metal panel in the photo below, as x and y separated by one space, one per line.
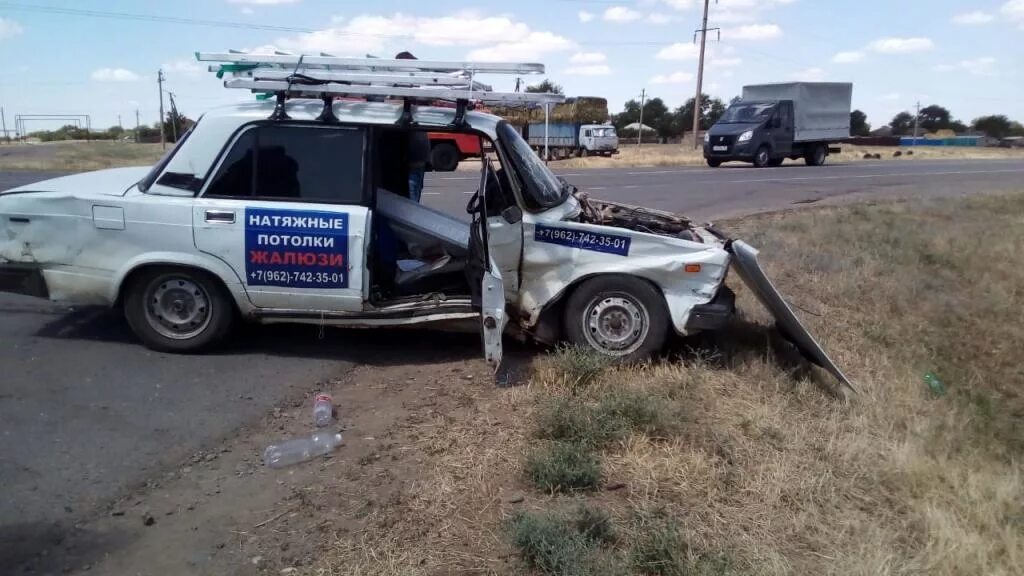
749 269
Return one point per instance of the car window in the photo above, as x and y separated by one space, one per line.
234 179
541 189
298 163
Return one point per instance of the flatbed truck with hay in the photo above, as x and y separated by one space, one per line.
773 122
577 127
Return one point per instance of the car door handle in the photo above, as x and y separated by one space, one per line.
223 216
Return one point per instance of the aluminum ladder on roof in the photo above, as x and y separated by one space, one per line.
325 75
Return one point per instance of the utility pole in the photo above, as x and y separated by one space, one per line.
136 125
917 117
3 123
640 128
119 125
174 117
160 85
700 72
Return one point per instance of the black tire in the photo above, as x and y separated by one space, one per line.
444 157
586 153
151 292
762 157
598 307
713 162
776 162
816 155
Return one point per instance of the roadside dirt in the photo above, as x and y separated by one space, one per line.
223 512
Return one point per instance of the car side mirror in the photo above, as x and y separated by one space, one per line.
512 214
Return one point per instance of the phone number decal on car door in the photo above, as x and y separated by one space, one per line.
583 239
296 248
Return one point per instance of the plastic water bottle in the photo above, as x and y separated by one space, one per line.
323 410
320 443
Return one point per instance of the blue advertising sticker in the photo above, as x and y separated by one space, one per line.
583 239
296 248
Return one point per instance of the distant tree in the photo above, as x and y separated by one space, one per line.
176 125
630 114
935 117
994 126
1016 129
711 109
859 124
734 100
656 115
547 86
902 124
958 126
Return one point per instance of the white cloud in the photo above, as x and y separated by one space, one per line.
1014 10
890 97
621 14
183 67
658 18
9 28
263 2
973 18
585 16
680 4
114 75
532 47
901 45
494 37
809 75
587 58
589 70
848 57
679 51
725 62
673 78
753 32
983 66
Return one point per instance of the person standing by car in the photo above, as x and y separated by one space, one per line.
419 151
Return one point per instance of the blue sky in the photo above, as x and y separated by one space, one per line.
963 55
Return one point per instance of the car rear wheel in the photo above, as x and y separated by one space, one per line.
619 316
713 162
178 309
816 155
762 156
444 157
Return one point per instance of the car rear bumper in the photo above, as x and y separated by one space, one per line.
27 279
714 314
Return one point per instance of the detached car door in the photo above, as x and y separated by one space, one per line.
286 208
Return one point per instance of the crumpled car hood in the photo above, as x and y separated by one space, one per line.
110 182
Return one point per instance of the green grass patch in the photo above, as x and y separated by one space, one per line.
578 366
564 467
612 418
559 544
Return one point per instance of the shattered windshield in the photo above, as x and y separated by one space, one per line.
750 113
540 187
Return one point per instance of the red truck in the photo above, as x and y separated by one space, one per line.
447 149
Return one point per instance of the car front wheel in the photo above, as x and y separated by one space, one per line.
619 316
178 310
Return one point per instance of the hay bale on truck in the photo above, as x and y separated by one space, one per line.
578 126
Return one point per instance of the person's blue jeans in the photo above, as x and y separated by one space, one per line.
416 183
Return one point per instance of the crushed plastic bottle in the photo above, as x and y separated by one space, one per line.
934 384
320 443
323 410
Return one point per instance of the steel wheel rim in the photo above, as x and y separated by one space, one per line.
762 157
819 155
177 307
616 324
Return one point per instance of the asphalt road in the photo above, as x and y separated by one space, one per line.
86 413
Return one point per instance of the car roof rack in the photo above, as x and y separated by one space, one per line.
325 76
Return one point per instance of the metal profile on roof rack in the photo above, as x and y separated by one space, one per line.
325 75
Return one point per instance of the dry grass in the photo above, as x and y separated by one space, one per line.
684 155
78 156
764 469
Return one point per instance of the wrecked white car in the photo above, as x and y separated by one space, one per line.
298 210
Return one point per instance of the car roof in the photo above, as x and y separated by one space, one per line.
351 111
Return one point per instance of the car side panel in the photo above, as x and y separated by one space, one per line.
551 265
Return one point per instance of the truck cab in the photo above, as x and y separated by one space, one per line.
598 139
757 132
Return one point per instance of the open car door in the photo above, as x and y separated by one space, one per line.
485 275
750 271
